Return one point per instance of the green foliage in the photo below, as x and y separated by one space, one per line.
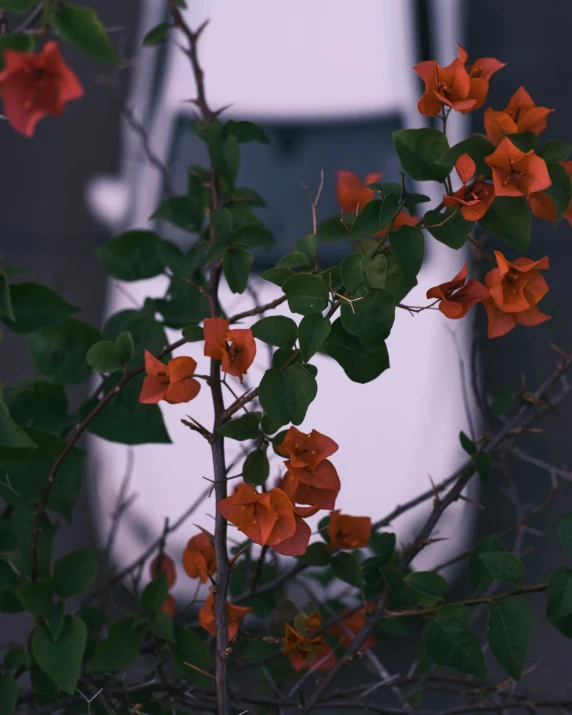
241 428
246 132
276 330
107 356
38 403
35 306
449 641
36 597
477 146
306 294
236 267
15 41
502 566
157 35
555 150
502 400
119 649
359 363
189 648
312 332
81 28
419 151
347 569
8 694
561 190
430 588
256 468
509 631
316 555
132 256
370 317
508 218
75 572
367 222
479 575
61 661
155 593
559 600
285 395
17 5
408 246
448 227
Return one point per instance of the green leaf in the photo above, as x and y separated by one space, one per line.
383 545
383 272
408 246
335 228
482 462
55 620
509 630
236 266
231 155
157 35
59 351
285 396
155 593
36 597
312 332
453 232
477 146
565 531
221 221
18 5
561 190
389 209
193 333
35 306
278 276
367 222
252 235
20 528
352 274
75 572
502 400
418 151
256 468
246 132
119 650
479 576
525 141
559 600
8 577
185 212
125 419
332 277
316 555
277 330
6 308
508 218
81 28
161 624
189 648
346 567
430 587
10 434
186 304
294 260
360 364
242 428
371 317
61 661
467 444
146 333
502 566
15 658
38 403
8 694
555 150
106 356
42 684
132 256
449 641
306 294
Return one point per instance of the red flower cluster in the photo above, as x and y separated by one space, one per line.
304 648
520 115
456 297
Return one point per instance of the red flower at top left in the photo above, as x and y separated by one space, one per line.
35 85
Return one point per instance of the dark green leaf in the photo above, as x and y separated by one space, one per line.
278 276
312 332
453 232
132 256
155 593
502 566
221 221
307 245
285 396
36 306
525 141
106 356
383 272
316 555
332 277
38 403
43 684
360 364
277 330
193 333
36 597
418 151
294 260
15 658
55 619
185 212
508 218
10 434
246 132
555 150
371 317
61 661
306 294
561 190
256 468
477 146
335 229
479 576
559 600
75 572
82 29
367 222
120 648
389 209
231 155
449 641
383 544
502 400
161 624
189 648
509 630
565 531
236 266
6 308
430 587
157 35
18 5
347 569
467 444
8 694
20 527
408 246
482 462
59 351
8 577
242 428
252 235
352 274
146 332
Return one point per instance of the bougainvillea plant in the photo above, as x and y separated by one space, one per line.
256 637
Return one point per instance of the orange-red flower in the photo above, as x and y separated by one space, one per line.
449 86
306 650
169 606
173 382
267 518
348 532
542 206
515 290
297 544
165 564
346 630
520 115
351 193
234 615
35 85
236 348
456 296
515 172
306 450
317 487
479 73
474 200
199 557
